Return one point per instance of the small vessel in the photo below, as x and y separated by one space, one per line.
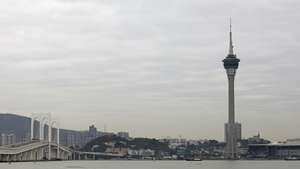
193 159
292 158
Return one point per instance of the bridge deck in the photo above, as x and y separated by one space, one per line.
20 148
99 153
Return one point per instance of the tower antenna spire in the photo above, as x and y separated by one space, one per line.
230 40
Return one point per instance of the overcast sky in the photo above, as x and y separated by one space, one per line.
152 67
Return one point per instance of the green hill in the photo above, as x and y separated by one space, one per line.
100 144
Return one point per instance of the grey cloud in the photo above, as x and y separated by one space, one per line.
128 62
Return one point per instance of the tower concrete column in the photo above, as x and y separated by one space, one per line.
231 114
231 140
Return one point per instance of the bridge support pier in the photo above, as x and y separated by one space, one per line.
31 155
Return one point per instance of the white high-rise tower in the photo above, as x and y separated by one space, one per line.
231 63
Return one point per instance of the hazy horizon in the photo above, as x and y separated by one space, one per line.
152 68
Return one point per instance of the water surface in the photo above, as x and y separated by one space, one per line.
154 165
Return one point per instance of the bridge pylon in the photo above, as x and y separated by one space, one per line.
45 119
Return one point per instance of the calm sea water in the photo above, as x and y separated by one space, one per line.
155 165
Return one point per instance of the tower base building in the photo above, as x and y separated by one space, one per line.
237 129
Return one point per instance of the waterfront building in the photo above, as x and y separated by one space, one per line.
92 131
117 150
80 138
7 139
123 134
141 153
11 139
281 150
77 138
293 140
231 63
3 140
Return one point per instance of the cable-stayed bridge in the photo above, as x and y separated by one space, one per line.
45 147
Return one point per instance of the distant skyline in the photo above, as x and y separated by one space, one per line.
152 68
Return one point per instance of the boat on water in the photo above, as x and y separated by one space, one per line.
292 158
193 159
